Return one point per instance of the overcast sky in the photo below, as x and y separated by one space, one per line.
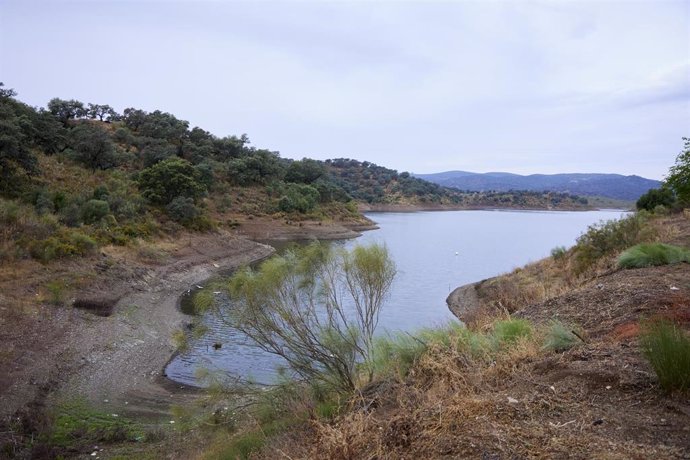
524 87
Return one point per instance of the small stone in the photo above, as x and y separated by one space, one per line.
597 422
512 400
172 421
674 288
608 387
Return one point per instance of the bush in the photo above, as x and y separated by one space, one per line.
298 197
656 197
169 179
94 210
653 254
667 348
183 210
559 337
64 244
559 252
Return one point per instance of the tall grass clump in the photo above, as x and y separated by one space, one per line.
667 347
653 254
510 331
560 337
395 355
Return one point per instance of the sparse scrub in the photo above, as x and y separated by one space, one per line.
653 254
56 292
667 347
607 238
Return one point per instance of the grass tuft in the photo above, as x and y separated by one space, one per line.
653 254
667 347
511 330
559 337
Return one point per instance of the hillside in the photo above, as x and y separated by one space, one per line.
615 186
383 188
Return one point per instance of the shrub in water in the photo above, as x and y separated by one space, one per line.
667 347
648 255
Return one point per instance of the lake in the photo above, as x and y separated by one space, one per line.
434 252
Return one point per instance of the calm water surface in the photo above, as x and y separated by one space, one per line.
435 252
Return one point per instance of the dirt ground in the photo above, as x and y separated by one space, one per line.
53 350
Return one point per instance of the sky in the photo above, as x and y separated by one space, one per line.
421 86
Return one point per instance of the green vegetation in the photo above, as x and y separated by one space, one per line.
293 306
370 183
559 253
76 425
652 254
509 331
608 238
560 337
679 175
667 347
656 197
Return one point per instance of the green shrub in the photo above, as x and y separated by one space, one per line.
667 347
559 252
183 210
94 210
655 197
510 330
559 337
648 255
64 244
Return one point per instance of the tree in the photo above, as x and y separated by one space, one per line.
102 112
15 157
305 171
169 179
316 307
92 146
656 197
298 197
679 175
66 110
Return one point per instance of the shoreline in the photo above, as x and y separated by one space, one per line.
384 208
130 350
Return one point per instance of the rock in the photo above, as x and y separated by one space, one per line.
512 400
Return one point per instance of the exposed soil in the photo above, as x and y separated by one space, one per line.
112 349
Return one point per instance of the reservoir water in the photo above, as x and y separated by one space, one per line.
434 252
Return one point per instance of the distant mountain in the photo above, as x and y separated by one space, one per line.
607 185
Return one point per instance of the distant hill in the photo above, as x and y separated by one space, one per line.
606 185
